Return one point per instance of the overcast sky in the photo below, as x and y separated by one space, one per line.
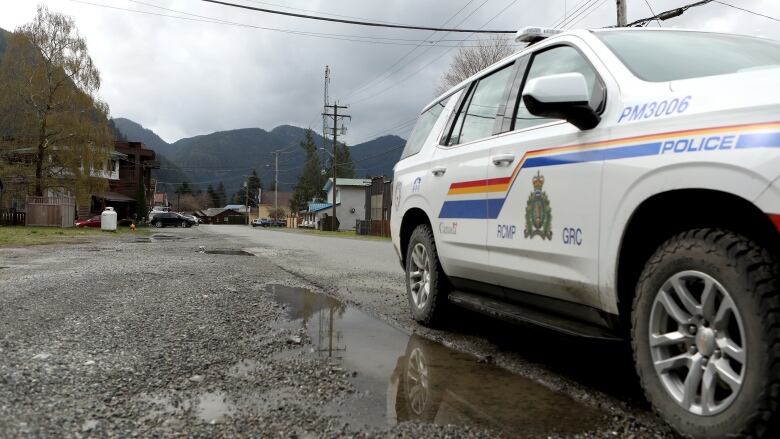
182 78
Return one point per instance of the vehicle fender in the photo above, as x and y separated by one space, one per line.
769 200
411 201
620 201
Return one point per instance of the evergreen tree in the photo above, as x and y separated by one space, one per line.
344 166
253 185
221 195
311 180
184 189
212 196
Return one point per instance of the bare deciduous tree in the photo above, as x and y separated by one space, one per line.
472 59
48 100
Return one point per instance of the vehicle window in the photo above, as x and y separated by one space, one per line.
478 115
675 55
423 128
560 59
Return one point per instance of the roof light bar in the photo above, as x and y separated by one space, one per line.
532 34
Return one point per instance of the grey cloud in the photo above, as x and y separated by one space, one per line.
183 78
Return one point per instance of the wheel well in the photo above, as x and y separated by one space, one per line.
412 219
664 215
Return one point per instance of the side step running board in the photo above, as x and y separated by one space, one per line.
519 314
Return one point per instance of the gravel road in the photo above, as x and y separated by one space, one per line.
126 337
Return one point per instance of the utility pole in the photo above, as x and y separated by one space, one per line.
336 117
246 202
622 21
276 184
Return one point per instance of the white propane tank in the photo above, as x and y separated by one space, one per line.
108 220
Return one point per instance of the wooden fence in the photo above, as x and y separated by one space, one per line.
50 211
373 227
10 217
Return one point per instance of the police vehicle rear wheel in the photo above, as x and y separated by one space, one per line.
706 334
425 280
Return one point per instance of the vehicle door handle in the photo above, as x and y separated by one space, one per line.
438 171
503 159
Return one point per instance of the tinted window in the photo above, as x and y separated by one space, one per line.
561 59
478 116
673 55
423 128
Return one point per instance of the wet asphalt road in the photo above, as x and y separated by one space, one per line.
118 338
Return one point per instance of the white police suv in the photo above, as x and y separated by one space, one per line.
614 184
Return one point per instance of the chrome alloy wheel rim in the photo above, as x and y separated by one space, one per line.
420 276
697 343
417 382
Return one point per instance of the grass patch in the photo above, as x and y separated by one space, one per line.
20 236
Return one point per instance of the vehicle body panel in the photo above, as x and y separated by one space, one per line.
718 133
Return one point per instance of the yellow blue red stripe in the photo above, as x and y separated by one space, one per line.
749 136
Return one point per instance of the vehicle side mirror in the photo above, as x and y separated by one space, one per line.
561 96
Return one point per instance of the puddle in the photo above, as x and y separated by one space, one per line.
213 407
228 252
409 378
210 407
158 237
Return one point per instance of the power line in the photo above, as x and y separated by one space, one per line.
430 62
594 9
746 10
573 13
568 21
567 14
319 12
329 36
647 2
357 22
389 73
665 15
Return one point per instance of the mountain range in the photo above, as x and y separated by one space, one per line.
228 156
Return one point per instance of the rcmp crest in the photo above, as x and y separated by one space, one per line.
538 214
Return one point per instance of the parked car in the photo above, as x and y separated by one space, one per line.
194 218
165 219
258 222
91 222
613 184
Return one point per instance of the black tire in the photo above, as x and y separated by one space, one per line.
158 224
434 308
750 275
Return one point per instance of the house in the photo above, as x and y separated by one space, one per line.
221 215
160 199
135 177
269 199
240 208
314 214
378 207
59 181
350 196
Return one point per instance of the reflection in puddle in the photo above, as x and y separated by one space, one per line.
213 407
409 378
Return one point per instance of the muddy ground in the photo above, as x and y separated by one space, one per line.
227 331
